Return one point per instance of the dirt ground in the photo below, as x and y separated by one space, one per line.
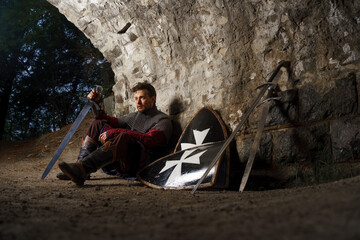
112 208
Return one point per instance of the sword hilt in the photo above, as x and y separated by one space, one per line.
99 88
95 106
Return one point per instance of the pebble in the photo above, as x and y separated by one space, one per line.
237 208
60 195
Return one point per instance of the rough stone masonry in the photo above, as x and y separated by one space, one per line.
215 53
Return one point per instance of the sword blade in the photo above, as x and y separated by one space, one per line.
285 64
260 129
67 138
228 141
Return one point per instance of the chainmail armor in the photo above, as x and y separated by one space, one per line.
144 121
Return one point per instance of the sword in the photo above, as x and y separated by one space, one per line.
260 129
285 64
88 104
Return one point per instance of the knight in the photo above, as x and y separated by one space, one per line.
125 144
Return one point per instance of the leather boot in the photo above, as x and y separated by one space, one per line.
79 171
88 146
74 171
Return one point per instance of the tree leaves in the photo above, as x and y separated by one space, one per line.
49 64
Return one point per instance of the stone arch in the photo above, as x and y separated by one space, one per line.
217 52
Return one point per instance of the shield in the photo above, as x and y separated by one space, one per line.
200 141
270 87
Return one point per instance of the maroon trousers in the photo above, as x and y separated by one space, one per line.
128 154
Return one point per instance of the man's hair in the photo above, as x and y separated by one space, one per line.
145 86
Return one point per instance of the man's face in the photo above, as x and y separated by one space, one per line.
143 100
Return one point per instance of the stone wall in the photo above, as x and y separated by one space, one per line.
216 53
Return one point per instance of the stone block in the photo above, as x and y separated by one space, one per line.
358 89
286 147
345 137
285 110
306 143
263 155
338 101
109 105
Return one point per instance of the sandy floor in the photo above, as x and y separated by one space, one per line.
112 208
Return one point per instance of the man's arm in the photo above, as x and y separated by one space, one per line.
151 139
166 127
112 121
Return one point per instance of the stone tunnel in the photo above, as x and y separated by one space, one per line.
215 53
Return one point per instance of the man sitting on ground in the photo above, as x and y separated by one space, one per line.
121 143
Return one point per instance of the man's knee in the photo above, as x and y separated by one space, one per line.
125 137
97 122
95 128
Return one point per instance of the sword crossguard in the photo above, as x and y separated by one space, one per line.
95 106
268 84
268 100
99 88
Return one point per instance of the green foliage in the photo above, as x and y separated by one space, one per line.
49 64
326 171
